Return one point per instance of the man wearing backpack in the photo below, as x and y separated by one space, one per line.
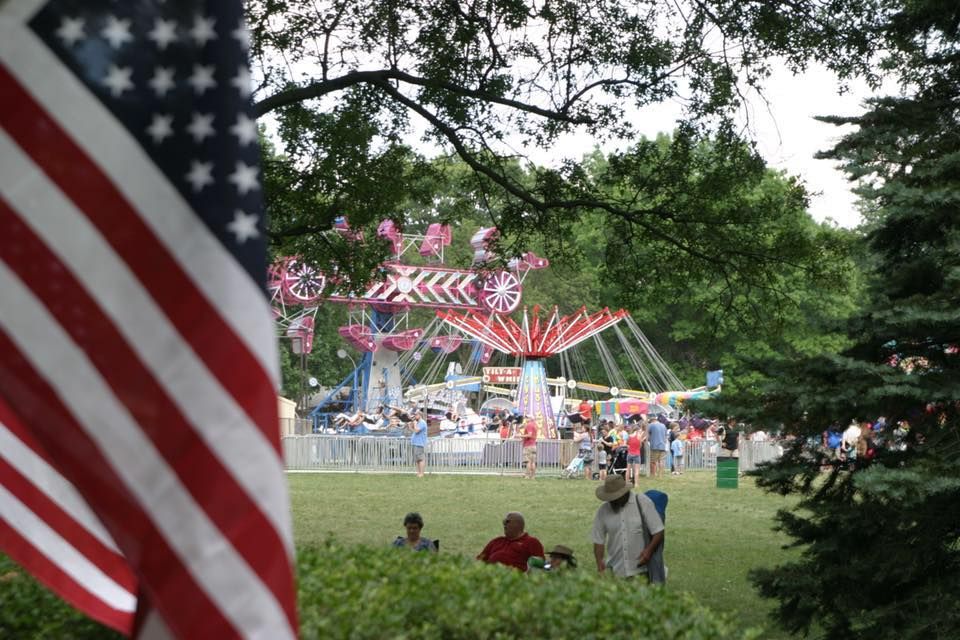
627 531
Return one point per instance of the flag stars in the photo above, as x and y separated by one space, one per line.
162 81
245 130
201 126
202 31
163 33
242 81
71 31
118 80
200 175
202 78
241 35
244 226
245 178
160 128
117 32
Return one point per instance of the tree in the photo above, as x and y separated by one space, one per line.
880 541
351 84
670 301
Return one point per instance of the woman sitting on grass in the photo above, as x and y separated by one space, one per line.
413 523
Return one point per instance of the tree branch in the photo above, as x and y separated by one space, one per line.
322 88
524 195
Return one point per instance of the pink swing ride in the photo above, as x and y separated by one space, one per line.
470 305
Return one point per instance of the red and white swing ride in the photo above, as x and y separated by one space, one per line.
471 307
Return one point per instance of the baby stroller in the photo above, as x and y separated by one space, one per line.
574 469
618 461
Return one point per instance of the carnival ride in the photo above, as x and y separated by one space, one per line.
379 323
533 341
439 364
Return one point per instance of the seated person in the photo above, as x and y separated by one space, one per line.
413 523
448 423
515 547
377 420
348 420
561 558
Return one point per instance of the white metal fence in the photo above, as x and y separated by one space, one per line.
372 454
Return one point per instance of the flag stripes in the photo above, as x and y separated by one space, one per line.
133 385
140 470
121 225
106 560
82 249
40 550
61 101
156 524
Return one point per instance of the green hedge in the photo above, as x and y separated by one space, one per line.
386 593
357 593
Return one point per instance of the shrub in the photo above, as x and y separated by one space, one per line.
361 593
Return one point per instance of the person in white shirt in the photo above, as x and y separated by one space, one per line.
627 530
849 440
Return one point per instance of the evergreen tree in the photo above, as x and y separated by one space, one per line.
879 538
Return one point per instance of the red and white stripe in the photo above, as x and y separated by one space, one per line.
141 358
47 527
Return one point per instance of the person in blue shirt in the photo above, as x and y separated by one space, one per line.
413 523
657 437
419 442
676 448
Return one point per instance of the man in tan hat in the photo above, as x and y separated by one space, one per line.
627 530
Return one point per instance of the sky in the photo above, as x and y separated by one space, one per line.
786 133
788 137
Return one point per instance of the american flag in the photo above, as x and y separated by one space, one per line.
140 474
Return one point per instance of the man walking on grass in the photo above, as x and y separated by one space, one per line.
419 442
529 436
657 437
627 532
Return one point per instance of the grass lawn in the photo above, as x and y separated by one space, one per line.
713 535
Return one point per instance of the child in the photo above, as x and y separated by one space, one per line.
676 448
602 454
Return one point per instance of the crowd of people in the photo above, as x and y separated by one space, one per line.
627 535
859 442
622 445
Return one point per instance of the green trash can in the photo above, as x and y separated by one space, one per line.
728 472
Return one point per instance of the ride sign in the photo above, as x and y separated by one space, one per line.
501 375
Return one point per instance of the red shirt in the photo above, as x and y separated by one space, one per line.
513 553
633 444
504 432
585 411
530 434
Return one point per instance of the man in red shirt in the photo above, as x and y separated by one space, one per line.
529 436
514 547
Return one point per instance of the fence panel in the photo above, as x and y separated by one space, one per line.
316 452
449 455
